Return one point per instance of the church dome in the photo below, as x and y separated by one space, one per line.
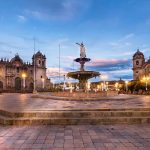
38 54
138 53
17 59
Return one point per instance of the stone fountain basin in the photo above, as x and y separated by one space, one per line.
82 96
82 59
83 74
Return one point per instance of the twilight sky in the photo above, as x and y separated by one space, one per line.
111 30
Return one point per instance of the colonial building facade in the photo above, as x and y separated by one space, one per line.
16 75
141 67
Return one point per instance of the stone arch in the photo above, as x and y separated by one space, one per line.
17 84
1 85
31 86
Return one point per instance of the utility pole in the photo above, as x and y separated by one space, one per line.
34 87
59 63
73 65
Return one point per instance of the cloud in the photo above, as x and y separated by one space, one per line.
124 74
6 46
67 60
114 68
68 57
54 9
21 18
54 71
126 37
36 14
122 42
107 62
53 74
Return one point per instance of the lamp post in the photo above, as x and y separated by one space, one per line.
88 86
126 84
64 83
24 80
53 85
146 79
34 76
116 86
98 87
106 86
104 78
70 86
43 83
102 86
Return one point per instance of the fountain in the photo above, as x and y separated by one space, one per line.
82 75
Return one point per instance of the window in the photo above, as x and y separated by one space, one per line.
18 70
137 62
42 63
39 62
31 71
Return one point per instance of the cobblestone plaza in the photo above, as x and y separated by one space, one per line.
73 137
25 102
101 137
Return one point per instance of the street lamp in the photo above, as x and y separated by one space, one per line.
64 83
104 78
88 86
43 83
146 79
70 86
53 84
98 87
102 86
126 83
106 86
24 80
116 86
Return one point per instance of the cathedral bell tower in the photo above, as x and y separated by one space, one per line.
40 60
138 61
40 70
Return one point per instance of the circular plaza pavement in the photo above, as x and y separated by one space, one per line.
25 102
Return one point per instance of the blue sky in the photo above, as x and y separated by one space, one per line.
111 30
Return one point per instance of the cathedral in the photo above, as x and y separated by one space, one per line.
16 75
141 67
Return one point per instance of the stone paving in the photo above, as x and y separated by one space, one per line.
24 102
79 137
102 137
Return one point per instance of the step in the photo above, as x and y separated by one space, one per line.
74 121
74 117
75 114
